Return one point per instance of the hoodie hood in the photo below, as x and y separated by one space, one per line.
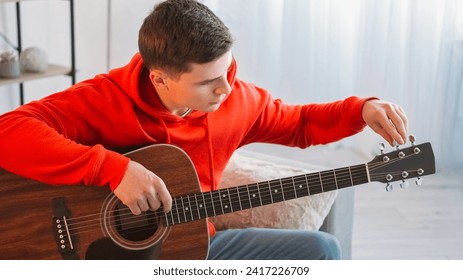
133 80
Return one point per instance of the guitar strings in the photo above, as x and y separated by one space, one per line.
284 183
129 216
264 198
159 214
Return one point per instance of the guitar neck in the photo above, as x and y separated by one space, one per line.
209 204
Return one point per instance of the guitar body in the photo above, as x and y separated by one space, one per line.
29 211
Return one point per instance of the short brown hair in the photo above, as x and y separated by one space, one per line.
179 32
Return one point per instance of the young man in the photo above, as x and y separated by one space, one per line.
180 89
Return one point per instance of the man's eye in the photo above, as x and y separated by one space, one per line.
205 83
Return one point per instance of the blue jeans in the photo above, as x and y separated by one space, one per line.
273 244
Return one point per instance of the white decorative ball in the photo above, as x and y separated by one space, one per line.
33 59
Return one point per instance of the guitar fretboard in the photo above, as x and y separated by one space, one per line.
209 204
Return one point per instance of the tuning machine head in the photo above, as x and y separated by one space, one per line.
404 184
395 144
381 148
419 181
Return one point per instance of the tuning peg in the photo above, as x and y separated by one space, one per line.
388 187
395 144
404 184
419 181
381 148
412 139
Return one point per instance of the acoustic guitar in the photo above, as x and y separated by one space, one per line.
40 221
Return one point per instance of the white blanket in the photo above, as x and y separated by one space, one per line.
301 213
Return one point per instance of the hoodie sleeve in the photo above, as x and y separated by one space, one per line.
37 141
306 125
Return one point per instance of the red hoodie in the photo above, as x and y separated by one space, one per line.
71 137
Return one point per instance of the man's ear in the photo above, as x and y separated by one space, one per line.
158 78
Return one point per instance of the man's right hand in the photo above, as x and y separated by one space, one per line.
142 190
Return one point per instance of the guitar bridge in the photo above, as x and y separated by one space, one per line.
61 229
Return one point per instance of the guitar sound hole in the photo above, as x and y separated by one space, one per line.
134 227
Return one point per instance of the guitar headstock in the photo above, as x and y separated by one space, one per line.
402 164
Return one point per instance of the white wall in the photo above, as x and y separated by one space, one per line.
125 21
107 30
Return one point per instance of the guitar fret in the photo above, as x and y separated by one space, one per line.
192 210
176 208
335 180
234 198
229 200
183 209
260 195
239 198
264 191
253 196
300 186
220 201
329 180
288 188
270 191
350 174
244 194
224 206
202 205
282 190
214 200
208 205
344 178
275 190
197 206
307 181
249 196
294 187
321 181
315 183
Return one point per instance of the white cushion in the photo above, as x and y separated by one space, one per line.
301 213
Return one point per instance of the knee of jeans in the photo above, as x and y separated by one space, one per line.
324 246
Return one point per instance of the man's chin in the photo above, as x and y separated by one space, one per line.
212 108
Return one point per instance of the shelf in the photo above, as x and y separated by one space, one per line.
53 70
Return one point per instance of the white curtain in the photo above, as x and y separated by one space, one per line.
408 52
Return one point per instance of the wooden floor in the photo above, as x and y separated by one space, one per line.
420 222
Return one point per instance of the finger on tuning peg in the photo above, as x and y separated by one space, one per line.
388 187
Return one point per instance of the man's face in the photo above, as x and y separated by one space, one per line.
202 89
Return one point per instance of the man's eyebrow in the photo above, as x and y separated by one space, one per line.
209 81
213 79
